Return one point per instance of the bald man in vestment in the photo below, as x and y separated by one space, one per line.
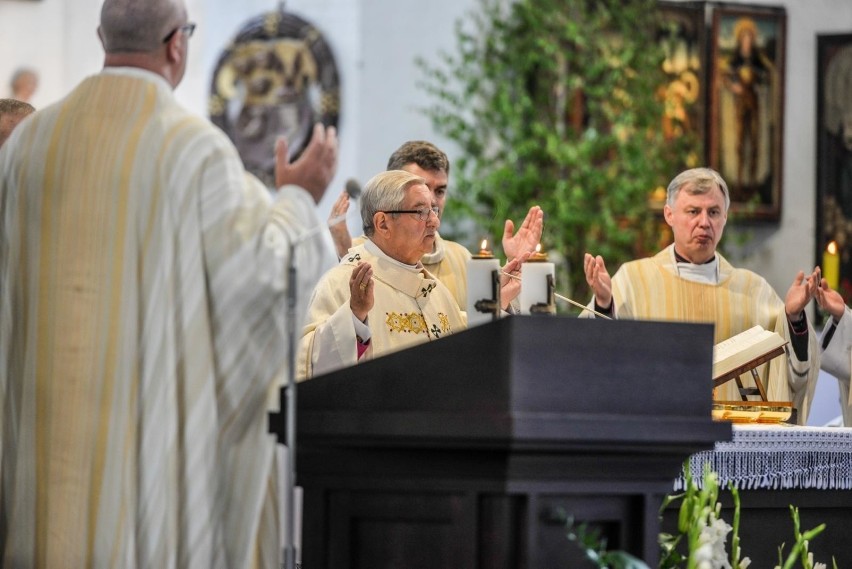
143 293
380 298
691 281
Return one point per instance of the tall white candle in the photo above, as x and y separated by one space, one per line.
480 276
534 288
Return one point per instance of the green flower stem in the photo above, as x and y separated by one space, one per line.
735 528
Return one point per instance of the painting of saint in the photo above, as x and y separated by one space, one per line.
747 107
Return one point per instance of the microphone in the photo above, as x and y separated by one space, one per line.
353 188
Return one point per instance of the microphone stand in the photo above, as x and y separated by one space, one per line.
290 398
290 486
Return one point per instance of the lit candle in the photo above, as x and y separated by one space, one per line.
537 281
483 271
484 251
831 265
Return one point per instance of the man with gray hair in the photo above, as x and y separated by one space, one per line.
143 297
690 281
12 112
380 298
447 260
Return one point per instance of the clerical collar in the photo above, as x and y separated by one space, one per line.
374 249
437 254
707 272
681 259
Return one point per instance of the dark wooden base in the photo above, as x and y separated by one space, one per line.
464 451
485 509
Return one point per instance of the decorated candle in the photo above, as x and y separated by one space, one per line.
831 265
537 280
481 289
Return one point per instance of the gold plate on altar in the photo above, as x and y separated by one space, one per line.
752 411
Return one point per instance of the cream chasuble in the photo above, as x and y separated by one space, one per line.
837 360
650 289
447 262
142 304
411 307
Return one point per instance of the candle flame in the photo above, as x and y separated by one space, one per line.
484 245
832 248
538 248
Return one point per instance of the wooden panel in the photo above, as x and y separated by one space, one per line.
381 530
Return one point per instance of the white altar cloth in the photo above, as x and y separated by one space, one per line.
779 457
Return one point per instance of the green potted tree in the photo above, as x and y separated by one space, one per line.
558 103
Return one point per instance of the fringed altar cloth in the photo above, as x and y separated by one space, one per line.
778 457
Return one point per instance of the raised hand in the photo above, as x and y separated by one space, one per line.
510 287
598 279
315 168
800 293
361 287
337 224
528 235
830 300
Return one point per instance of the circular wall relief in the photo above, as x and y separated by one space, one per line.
277 77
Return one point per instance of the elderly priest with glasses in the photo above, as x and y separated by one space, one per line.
380 299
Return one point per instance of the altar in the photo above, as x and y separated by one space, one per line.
470 451
466 452
774 467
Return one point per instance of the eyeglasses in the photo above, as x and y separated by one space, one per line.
187 29
422 213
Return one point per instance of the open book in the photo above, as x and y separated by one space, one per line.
745 351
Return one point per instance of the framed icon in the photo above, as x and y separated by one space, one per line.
745 127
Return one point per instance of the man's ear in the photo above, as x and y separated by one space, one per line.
174 48
380 222
101 38
667 214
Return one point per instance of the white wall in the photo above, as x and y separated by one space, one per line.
375 43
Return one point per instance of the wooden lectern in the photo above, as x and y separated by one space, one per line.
463 451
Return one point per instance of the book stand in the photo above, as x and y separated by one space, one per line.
751 366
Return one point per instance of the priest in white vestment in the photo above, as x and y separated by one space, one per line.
380 299
143 293
690 281
447 260
836 345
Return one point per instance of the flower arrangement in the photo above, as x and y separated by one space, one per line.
701 532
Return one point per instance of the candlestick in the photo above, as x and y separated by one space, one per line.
831 265
483 287
537 284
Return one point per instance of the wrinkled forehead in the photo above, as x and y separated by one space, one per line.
417 195
706 192
434 178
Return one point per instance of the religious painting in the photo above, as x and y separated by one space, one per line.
682 38
277 78
834 160
681 34
747 107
